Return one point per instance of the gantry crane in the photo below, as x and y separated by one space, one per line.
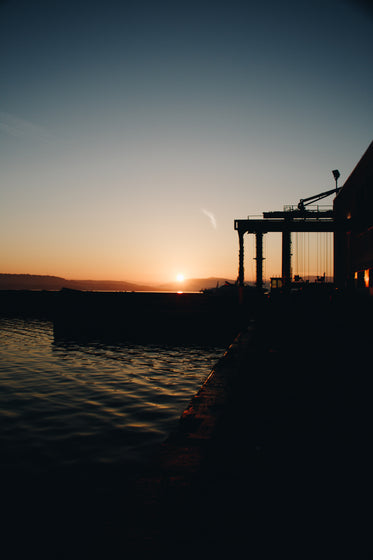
287 221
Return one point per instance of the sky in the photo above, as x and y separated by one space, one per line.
133 134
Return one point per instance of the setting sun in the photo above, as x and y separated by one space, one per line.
180 277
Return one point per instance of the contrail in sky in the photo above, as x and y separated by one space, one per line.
21 128
211 217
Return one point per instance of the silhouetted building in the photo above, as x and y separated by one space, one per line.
353 249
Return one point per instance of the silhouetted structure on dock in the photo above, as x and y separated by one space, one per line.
351 222
353 246
286 222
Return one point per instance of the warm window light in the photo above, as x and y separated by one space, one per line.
366 278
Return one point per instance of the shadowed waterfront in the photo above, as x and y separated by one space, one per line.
272 452
171 318
79 421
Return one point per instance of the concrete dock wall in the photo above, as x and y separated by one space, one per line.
272 452
167 497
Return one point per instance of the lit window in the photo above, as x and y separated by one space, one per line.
366 278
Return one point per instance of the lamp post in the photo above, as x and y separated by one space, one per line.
336 175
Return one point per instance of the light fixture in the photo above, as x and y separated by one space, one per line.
336 175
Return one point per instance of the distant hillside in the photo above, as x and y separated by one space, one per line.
40 282
194 284
30 282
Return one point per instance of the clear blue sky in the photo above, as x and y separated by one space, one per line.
132 134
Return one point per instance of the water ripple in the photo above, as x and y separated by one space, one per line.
72 404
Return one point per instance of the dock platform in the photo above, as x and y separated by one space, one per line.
272 457
273 453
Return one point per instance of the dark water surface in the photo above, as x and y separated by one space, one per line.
77 407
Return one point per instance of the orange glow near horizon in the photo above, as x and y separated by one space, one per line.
146 146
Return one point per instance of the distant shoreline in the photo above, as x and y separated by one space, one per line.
56 283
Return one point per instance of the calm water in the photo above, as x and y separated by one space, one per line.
74 405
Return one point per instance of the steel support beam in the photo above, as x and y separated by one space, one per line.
241 271
259 260
254 226
286 258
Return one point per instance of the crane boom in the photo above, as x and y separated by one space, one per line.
306 201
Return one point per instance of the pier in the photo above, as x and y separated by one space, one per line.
272 454
285 223
135 317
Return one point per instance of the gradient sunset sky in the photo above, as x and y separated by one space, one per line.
132 134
